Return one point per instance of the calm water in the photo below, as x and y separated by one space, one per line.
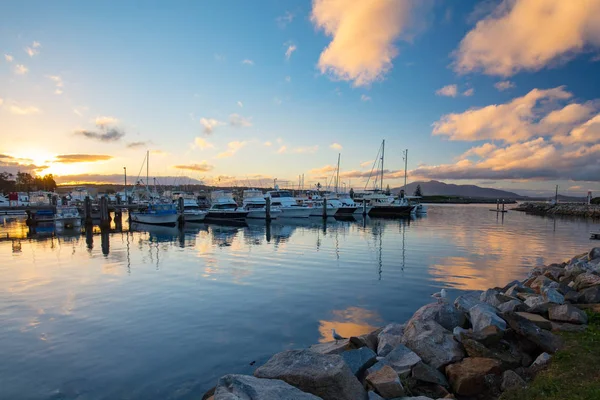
159 313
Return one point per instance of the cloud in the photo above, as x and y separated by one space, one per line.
322 171
22 110
135 145
239 121
529 35
367 163
104 121
81 158
105 135
509 122
268 144
232 148
80 110
248 62
305 149
504 85
288 79
588 132
480 151
364 97
58 82
8 58
20 69
239 103
210 124
58 91
336 146
282 150
363 35
285 19
202 167
31 51
449 91
469 92
1 101
117 179
202 143
288 53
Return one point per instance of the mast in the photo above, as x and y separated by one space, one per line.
147 165
405 166
382 154
337 179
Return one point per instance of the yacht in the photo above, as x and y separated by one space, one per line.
5 205
419 209
156 214
224 208
67 217
347 201
255 203
290 208
344 208
314 200
192 212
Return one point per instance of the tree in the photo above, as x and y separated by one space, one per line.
351 193
387 190
418 191
7 182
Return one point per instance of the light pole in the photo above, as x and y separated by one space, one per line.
125 173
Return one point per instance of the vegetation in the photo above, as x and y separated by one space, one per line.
388 190
574 372
595 200
418 191
24 182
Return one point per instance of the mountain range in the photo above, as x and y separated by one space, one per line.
437 188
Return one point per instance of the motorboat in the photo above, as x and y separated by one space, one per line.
420 209
314 200
224 208
156 214
343 208
289 206
255 203
5 205
67 217
192 212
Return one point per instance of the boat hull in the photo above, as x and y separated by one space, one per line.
225 215
390 211
346 210
262 214
167 219
318 211
359 210
67 222
194 217
295 212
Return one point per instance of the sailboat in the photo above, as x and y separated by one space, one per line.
344 204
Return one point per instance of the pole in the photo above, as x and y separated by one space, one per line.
382 154
125 173
405 166
268 208
147 166
325 208
556 196
337 179
364 204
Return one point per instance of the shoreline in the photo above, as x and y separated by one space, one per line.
483 344
565 209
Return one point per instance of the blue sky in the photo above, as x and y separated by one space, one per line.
156 74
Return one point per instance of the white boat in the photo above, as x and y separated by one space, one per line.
5 205
314 200
343 208
224 208
67 217
192 212
255 203
156 214
419 209
290 208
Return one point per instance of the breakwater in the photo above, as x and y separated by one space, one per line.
567 209
482 344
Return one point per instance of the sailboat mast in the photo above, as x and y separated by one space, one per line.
382 154
147 165
405 165
337 179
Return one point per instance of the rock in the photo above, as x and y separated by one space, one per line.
374 396
359 360
476 349
541 362
542 282
511 380
574 270
514 290
574 296
512 284
592 307
425 373
442 313
388 338
568 313
386 383
335 347
483 316
512 305
566 327
525 296
210 394
563 286
542 338
326 376
468 376
535 301
489 335
368 340
586 280
554 273
466 301
242 387
590 295
593 254
434 344
402 359
552 295
458 331
493 297
376 367
536 319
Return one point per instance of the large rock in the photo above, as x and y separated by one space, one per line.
537 319
493 297
514 290
424 373
388 338
359 360
386 383
434 344
542 338
335 347
466 301
554 273
402 359
586 280
374 396
483 315
511 380
367 340
540 363
476 349
326 376
468 376
574 296
489 335
566 327
590 295
567 313
244 387
512 305
552 295
594 254
542 282
444 314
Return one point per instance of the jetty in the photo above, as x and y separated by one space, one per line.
566 209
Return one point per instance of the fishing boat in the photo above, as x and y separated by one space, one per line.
156 214
289 206
67 217
255 203
224 208
314 200
191 211
343 208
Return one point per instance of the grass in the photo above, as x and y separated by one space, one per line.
574 372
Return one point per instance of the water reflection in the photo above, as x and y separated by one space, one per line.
353 321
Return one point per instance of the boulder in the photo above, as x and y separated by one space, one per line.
368 340
377 366
524 296
511 305
568 313
374 396
468 376
324 375
389 337
458 332
483 315
434 344
586 280
552 295
590 295
542 282
511 380
574 296
554 273
593 254
512 284
540 337
494 297
424 373
540 363
535 301
476 349
386 383
566 327
536 319
242 387
402 359
444 314
335 347
489 335
514 290
564 288
359 360
466 301
574 270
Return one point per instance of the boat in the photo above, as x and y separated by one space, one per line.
289 206
5 205
224 208
314 200
67 217
192 212
255 203
156 214
344 208
420 209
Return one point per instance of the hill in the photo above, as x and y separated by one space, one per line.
436 188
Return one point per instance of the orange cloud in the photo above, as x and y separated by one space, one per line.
232 148
202 167
449 91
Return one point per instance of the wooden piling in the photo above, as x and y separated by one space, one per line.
325 208
268 209
180 207
364 205
104 214
87 204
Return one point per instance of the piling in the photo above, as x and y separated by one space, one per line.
364 205
104 214
180 207
502 205
105 241
268 209
498 205
87 209
89 236
118 218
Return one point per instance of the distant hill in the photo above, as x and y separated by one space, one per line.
436 188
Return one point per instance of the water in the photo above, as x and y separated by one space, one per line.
157 313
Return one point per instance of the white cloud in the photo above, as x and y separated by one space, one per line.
268 144
366 163
56 79
288 79
284 20
305 149
58 91
1 101
36 45
210 124
20 69
33 49
529 35
288 53
588 132
232 148
80 110
449 91
22 110
202 144
364 97
238 120
240 104
469 92
363 35
335 146
8 58
248 62
504 85
103 121
282 150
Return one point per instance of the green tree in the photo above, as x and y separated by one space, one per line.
418 191
387 190
7 182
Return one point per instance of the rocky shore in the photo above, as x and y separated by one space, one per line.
483 344
570 209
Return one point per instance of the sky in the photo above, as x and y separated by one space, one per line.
502 93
